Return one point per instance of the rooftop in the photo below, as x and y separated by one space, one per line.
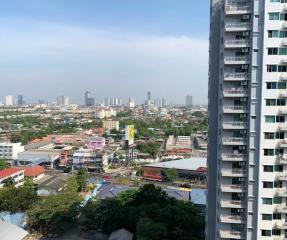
192 164
8 171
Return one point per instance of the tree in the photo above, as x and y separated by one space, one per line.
170 174
82 179
147 212
3 164
73 185
54 214
8 182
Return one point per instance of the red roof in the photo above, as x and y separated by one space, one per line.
8 172
33 171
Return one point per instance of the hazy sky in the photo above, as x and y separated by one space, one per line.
111 47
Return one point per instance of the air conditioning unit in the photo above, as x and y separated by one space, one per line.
243 115
245 50
245 34
244 83
244 67
242 147
241 179
246 17
244 99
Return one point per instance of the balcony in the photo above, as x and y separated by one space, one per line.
236 76
233 157
283 77
235 93
234 125
237 43
283 111
234 27
236 109
283 143
235 141
233 173
232 188
231 219
283 42
236 9
283 94
283 127
236 60
232 204
282 159
282 176
281 225
283 60
281 209
231 234
281 193
284 25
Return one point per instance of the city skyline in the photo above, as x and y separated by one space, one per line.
49 52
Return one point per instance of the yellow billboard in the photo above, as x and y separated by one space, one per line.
130 134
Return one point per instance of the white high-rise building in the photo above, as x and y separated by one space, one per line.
247 163
62 100
9 100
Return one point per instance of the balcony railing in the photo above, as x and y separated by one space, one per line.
236 76
234 157
237 26
283 143
237 43
231 9
234 93
234 141
236 60
235 108
283 94
233 173
234 125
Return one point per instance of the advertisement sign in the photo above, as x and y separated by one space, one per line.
130 134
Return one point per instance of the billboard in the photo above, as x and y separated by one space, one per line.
130 134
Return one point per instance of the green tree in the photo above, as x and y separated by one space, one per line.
54 214
8 182
73 185
3 164
170 174
82 177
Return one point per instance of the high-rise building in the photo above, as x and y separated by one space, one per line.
20 100
163 104
89 101
188 101
247 164
62 100
9 100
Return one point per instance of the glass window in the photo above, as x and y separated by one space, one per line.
277 216
269 119
278 168
269 152
274 16
267 217
267 201
268 168
266 233
267 184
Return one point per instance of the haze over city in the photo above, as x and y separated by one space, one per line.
111 48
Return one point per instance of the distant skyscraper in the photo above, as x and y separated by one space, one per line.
149 96
163 102
157 102
20 100
188 101
89 101
62 100
9 100
131 103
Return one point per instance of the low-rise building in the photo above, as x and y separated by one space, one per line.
10 150
96 143
16 174
111 124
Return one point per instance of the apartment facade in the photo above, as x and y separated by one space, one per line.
10 150
247 155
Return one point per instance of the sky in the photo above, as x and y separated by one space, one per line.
120 48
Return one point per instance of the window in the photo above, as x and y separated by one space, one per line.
277 216
269 152
268 168
267 217
267 184
274 16
266 233
276 232
272 51
278 184
275 102
271 68
273 33
271 85
278 168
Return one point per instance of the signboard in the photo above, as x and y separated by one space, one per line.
130 134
